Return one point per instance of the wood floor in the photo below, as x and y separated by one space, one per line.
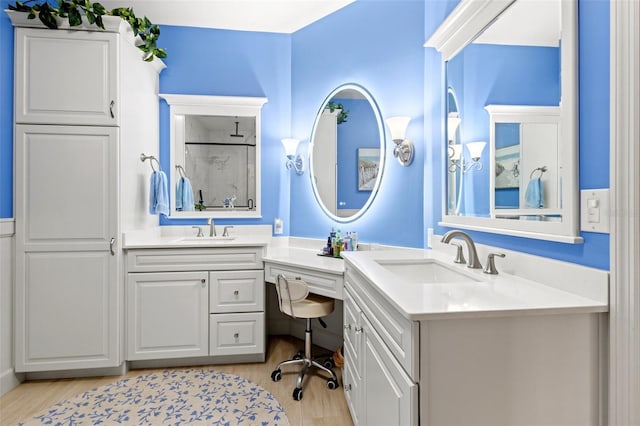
318 407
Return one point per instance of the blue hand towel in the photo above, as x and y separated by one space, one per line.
533 195
158 194
184 195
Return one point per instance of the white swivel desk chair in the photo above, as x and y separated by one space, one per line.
296 301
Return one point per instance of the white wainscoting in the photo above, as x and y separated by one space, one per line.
8 379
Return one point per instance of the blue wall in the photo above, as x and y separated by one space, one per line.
234 63
593 139
377 44
6 114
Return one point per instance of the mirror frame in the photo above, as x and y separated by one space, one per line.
180 105
381 132
460 28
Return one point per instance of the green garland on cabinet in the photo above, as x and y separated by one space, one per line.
73 10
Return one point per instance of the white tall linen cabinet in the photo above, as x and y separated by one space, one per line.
86 107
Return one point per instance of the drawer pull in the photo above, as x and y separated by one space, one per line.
359 330
236 292
236 335
111 105
347 327
347 387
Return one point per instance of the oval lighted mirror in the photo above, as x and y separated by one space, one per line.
347 152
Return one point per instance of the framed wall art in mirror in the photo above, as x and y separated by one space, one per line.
517 59
215 154
347 152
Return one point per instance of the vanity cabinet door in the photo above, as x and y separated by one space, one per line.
389 397
167 315
66 77
352 356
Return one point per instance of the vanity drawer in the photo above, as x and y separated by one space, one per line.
236 291
324 284
194 259
236 334
399 334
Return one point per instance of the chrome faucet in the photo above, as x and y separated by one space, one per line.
225 232
474 262
212 227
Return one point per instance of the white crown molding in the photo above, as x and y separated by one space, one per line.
467 20
624 318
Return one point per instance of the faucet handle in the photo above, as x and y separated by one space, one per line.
459 256
225 232
200 234
490 268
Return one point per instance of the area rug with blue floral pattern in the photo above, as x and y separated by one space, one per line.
169 397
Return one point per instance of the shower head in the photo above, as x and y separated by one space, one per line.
236 135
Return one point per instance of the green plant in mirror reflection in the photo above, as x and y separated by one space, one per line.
342 115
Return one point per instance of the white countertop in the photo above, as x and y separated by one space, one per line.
185 236
304 258
490 295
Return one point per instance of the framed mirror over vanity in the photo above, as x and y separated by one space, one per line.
215 146
347 152
511 142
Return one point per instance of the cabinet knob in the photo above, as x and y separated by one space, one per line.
203 281
347 387
236 292
347 326
359 329
236 335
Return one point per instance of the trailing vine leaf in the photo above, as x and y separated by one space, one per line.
73 10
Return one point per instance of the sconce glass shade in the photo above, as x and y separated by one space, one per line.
398 127
453 121
455 151
290 146
294 161
475 149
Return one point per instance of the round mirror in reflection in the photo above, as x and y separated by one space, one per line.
347 152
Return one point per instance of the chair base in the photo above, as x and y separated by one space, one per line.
307 361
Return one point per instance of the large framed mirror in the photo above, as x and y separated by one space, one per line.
511 112
214 156
347 152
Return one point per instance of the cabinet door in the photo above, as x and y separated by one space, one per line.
66 77
167 315
389 396
67 281
236 291
352 355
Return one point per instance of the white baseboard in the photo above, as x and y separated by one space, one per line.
9 380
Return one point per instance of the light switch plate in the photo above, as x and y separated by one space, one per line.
594 210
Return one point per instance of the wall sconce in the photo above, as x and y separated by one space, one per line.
293 159
403 150
453 121
456 160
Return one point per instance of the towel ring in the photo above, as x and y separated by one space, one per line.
181 170
151 159
538 169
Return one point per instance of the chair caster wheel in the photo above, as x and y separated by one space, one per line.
297 394
332 384
329 363
298 355
276 375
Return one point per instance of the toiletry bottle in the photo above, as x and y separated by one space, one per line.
354 242
351 241
332 238
346 242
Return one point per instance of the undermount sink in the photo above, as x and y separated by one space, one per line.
205 239
425 271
